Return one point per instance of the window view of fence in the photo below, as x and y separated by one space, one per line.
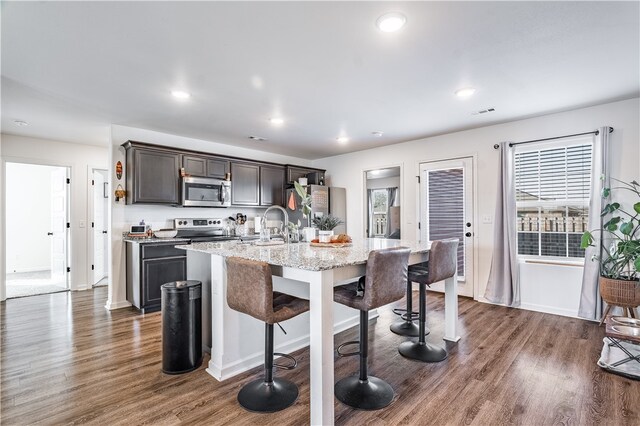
552 199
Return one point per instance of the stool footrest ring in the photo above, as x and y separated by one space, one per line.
343 354
285 367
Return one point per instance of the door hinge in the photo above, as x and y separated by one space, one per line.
92 224
418 179
419 225
68 225
92 267
68 180
93 182
68 268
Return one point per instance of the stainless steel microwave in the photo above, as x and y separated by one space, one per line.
205 192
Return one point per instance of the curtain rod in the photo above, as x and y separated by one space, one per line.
595 132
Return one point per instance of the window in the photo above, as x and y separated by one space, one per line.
380 201
552 183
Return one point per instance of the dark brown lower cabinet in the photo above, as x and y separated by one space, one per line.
149 265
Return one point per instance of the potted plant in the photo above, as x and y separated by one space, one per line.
619 250
326 225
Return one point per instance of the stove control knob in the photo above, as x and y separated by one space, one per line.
210 222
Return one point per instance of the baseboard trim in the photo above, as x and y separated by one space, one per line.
110 306
240 366
549 310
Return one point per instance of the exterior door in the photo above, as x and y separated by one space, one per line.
99 227
446 211
59 230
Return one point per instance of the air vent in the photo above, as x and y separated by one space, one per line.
257 138
483 111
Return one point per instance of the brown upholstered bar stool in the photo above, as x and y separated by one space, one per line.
386 276
442 265
406 326
250 291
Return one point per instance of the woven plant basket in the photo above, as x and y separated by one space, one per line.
620 292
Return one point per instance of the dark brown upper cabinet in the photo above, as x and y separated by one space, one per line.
271 185
152 176
205 166
245 184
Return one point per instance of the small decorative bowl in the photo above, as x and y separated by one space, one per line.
166 233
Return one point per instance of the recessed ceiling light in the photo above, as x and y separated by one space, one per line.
465 92
276 121
391 22
376 172
180 94
377 134
20 123
343 139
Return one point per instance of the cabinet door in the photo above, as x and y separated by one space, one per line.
217 168
245 184
156 177
194 166
271 186
159 271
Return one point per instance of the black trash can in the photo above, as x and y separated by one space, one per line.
181 326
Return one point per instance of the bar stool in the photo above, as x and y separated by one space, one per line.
386 275
250 291
406 326
442 265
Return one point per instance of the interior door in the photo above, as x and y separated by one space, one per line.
59 219
446 211
99 227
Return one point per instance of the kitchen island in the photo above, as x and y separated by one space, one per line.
301 270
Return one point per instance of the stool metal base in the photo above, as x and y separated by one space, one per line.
424 352
263 397
371 394
406 328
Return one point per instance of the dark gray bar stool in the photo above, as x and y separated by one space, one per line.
406 326
386 276
250 291
442 265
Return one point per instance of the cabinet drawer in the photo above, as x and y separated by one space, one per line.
161 250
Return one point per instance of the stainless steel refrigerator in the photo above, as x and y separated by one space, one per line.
324 200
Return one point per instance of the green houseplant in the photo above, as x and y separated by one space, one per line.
619 256
325 225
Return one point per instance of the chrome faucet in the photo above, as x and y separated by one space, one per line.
285 232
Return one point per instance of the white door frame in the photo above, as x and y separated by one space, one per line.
3 212
90 215
363 191
474 161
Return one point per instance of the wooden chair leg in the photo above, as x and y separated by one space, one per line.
604 315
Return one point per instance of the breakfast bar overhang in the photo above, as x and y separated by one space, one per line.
304 271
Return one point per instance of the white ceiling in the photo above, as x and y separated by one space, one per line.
71 69
383 173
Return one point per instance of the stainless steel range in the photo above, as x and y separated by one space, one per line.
202 229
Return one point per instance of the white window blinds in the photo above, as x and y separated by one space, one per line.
552 198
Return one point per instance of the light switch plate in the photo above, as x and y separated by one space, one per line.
487 219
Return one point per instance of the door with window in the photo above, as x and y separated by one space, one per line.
446 211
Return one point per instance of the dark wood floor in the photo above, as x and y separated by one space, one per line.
65 359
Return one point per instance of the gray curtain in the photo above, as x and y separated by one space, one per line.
392 195
370 213
503 286
590 300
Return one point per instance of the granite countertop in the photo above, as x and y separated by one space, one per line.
302 255
155 240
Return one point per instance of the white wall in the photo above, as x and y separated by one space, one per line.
78 157
122 216
28 197
346 170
